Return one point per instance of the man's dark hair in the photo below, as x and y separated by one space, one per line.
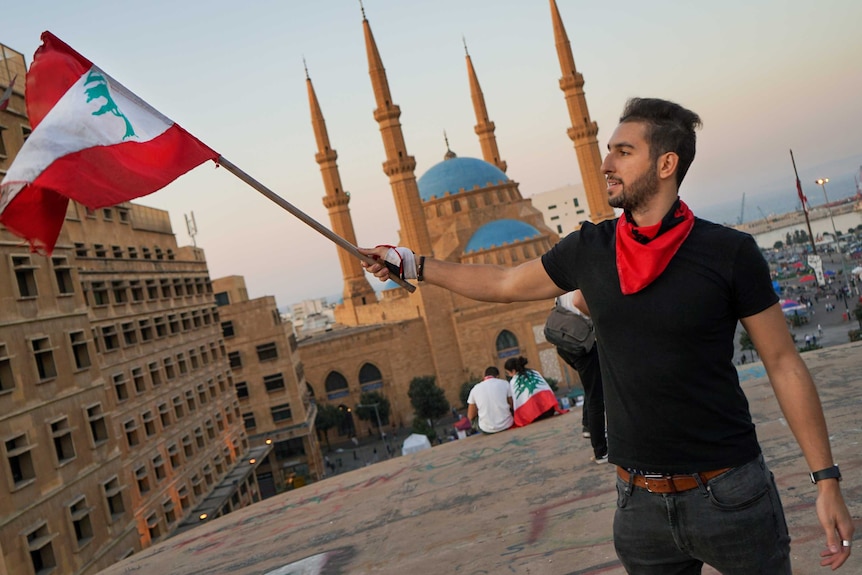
492 371
669 128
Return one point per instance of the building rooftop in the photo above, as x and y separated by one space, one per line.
527 500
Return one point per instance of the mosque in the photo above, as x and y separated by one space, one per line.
461 210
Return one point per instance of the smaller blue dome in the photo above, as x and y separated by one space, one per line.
498 233
455 174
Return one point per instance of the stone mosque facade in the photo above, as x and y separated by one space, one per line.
461 210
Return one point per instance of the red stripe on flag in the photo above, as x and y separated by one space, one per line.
538 404
56 68
98 177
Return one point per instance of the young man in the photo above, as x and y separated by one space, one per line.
491 401
665 291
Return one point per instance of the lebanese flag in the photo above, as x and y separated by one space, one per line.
93 141
532 397
7 94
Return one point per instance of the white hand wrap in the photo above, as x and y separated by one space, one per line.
403 259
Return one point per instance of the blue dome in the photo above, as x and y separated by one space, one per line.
499 233
455 174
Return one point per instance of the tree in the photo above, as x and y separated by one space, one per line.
778 245
428 400
328 416
367 413
466 387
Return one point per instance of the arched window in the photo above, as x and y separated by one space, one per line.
456 206
370 378
507 344
336 386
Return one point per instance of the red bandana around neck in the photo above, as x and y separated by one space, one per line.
643 253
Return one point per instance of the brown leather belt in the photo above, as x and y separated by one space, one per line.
669 483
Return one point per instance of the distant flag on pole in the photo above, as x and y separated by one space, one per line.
7 95
93 141
802 197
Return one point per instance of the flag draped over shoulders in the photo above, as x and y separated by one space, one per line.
92 141
531 397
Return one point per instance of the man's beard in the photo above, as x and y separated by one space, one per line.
636 194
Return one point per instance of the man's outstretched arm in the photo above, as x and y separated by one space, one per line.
797 396
526 282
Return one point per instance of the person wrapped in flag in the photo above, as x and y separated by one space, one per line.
532 397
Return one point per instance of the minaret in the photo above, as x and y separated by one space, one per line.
357 290
399 165
434 303
484 127
583 131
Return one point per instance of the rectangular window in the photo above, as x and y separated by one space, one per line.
222 298
137 291
190 401
170 514
186 321
164 415
61 435
123 214
166 288
108 214
241 390
7 376
155 373
274 382
188 448
281 413
181 363
41 551
133 252
138 380
174 456
248 420
143 479
100 293
159 467
25 274
79 512
202 394
130 334
576 202
267 351
100 250
235 359
20 460
183 493
193 359
210 429
146 329
152 289
43 354
196 319
178 407
110 339
117 251
159 254
179 290
121 386
147 254
197 485
80 352
149 423
174 323
199 437
80 250
227 329
130 427
114 498
63 275
161 326
96 421
170 371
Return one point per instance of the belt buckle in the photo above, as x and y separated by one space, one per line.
652 476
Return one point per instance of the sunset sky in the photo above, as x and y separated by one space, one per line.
765 77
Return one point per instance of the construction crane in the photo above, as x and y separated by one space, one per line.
741 210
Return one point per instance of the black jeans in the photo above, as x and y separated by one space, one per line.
587 366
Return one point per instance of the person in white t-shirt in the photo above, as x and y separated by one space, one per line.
491 401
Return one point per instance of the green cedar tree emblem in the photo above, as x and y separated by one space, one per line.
99 89
527 382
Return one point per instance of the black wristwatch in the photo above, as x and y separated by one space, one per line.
828 473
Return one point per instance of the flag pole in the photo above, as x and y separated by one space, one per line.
804 201
341 242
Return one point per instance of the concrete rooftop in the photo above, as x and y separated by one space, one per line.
524 501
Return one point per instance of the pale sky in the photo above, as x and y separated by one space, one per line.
765 76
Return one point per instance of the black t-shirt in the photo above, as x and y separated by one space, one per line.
672 393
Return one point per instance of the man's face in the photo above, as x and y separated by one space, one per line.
631 174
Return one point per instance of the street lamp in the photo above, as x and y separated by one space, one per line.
822 183
376 414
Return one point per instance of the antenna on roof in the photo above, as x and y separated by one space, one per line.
192 227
